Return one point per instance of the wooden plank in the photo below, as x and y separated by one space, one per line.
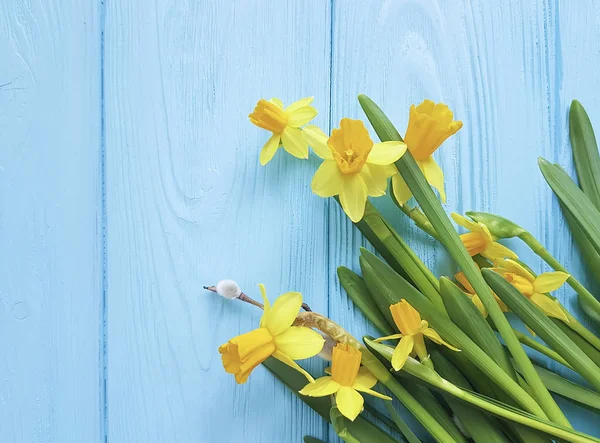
500 68
189 204
50 222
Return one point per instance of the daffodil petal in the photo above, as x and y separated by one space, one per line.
283 312
495 250
317 139
375 179
434 175
269 149
299 342
477 302
550 281
386 153
294 142
402 352
389 337
432 335
364 380
328 180
465 222
299 104
301 116
549 306
400 189
372 392
266 303
516 268
277 102
349 402
353 197
322 387
292 364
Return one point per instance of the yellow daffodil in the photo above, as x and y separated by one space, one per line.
462 279
480 240
354 167
535 288
285 124
347 379
275 337
429 125
413 329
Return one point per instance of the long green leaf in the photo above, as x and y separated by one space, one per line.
544 327
359 294
591 257
574 200
481 428
581 342
569 390
401 424
387 288
585 152
430 377
308 439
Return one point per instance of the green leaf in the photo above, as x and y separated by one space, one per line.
308 439
591 257
585 152
387 288
481 428
362 428
544 327
359 294
401 424
574 200
581 342
465 314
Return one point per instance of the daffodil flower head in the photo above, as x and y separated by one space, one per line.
354 167
412 330
535 288
347 379
429 125
462 279
480 240
275 337
285 125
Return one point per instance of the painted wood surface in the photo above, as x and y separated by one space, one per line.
50 222
129 178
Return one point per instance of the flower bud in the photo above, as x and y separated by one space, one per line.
327 351
499 227
228 289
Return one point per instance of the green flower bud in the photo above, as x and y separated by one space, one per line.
499 227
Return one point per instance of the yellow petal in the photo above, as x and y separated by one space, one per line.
465 222
299 104
349 402
294 142
299 343
322 387
266 303
435 337
317 139
402 352
434 175
328 180
389 337
407 318
462 279
243 353
283 312
495 250
373 393
269 149
477 302
301 116
550 281
549 306
364 380
375 179
292 364
353 197
277 102
386 153
400 189
345 364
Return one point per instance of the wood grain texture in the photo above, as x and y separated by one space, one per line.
50 217
189 204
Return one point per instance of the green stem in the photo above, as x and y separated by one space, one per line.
576 326
421 190
401 424
534 344
581 290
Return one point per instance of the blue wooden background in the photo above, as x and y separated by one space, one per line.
129 178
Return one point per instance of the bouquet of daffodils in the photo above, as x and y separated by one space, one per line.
447 335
